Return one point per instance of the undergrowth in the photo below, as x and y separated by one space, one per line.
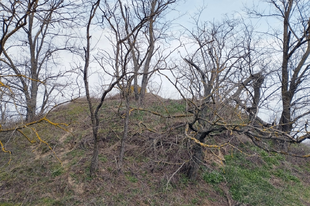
251 179
155 165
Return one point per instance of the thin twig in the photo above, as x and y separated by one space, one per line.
173 175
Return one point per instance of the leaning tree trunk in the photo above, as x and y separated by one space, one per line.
196 159
197 152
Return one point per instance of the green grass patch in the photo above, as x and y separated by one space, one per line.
5 175
184 180
138 115
172 107
8 204
249 182
103 158
213 177
271 159
131 178
195 201
249 186
58 171
285 175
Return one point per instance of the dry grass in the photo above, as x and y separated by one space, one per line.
154 170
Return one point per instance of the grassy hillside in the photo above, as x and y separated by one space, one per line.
155 165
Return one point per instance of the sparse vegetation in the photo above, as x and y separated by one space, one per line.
67 138
252 177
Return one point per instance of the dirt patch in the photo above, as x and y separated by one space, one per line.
78 188
60 154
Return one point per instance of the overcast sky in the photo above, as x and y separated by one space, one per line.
182 15
213 9
216 10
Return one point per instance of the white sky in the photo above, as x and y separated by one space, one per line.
214 9
183 14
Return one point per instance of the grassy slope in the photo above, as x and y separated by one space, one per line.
155 165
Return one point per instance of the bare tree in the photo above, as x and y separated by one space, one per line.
120 73
126 93
133 38
143 42
35 67
153 35
292 43
14 17
93 112
227 79
223 77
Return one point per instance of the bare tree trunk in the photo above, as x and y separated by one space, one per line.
94 111
258 81
94 159
135 84
125 134
94 118
196 158
146 69
135 78
32 101
285 121
38 18
197 151
31 107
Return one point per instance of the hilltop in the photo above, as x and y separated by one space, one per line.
155 165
